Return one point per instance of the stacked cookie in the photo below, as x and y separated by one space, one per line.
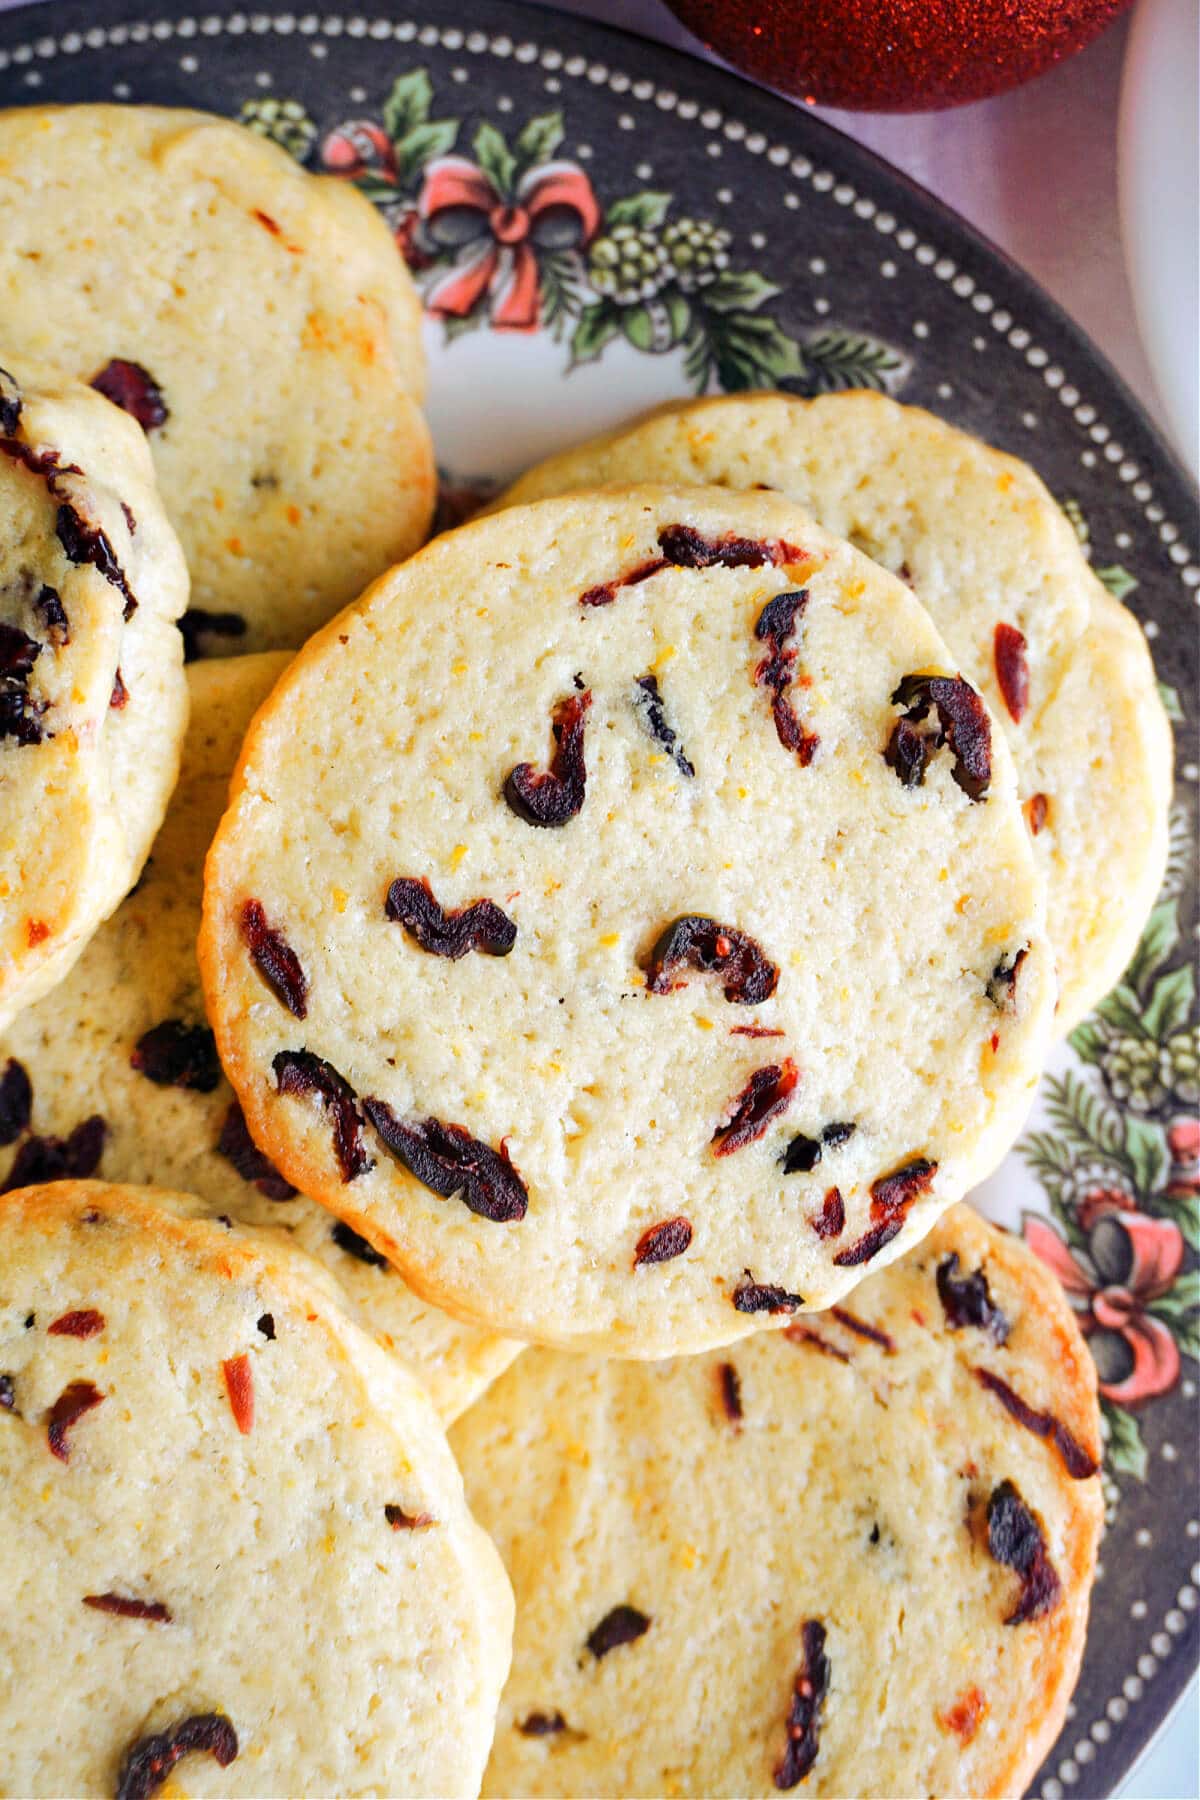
629 928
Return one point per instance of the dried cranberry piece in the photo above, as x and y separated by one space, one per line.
1001 987
1037 808
861 1329
804 1713
696 942
77 1398
177 1055
237 1147
275 959
1078 1462
804 1334
16 1101
667 1239
837 1133
85 542
266 1324
756 1031
966 1715
449 1161
1012 670
86 1322
622 1625
238 1376
42 1159
196 624
19 713
750 1296
130 521
830 1222
540 1724
124 1608
134 390
969 1301
150 1761
1016 1539
687 548
399 1520
767 1094
802 1155
10 405
53 614
118 700
8 1394
300 1072
606 591
962 723
480 926
651 708
729 1386
555 796
347 1239
891 1198
776 671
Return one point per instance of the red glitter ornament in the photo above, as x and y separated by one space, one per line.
895 55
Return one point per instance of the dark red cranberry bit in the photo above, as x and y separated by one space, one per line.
16 1101
118 700
300 1072
130 521
804 1713
891 1198
1016 1539
756 1031
275 959
1037 809
266 1324
907 753
1001 986
839 1132
77 1398
1078 1462
540 1724
42 1159
177 1055
696 942
134 390
238 1376
399 1520
347 1239
480 926
237 1147
10 405
50 610
450 1162
804 1334
196 624
1012 670
8 1394
44 463
19 713
750 1296
729 1386
861 1329
766 1095
686 548
777 670
85 542
650 705
830 1222
669 1238
802 1155
962 724
623 1625
148 1764
122 1607
606 591
86 1322
554 797
968 1302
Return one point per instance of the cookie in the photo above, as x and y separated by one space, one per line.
116 1072
259 323
236 1531
624 919
1063 666
853 1557
93 703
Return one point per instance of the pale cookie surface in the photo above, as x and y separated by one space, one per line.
233 1521
116 1073
1063 666
832 1560
552 1126
93 702
261 324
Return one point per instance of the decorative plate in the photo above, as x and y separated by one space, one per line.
597 224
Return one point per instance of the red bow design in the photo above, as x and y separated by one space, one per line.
497 241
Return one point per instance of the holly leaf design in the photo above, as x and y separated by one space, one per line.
1179 1310
598 323
1088 1041
1170 1003
561 277
1182 1209
1086 1118
408 103
647 210
657 325
1146 1150
744 350
538 139
1117 580
739 290
455 327
378 191
1158 940
495 158
1171 706
1122 1010
850 359
1124 1452
422 144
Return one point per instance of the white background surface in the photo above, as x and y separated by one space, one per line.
1036 171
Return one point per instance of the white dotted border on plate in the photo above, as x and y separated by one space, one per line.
823 181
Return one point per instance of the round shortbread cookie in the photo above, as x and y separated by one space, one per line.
1063 666
718 940
93 702
116 1074
260 323
836 1561
233 1521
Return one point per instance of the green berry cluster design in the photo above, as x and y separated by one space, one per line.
286 122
